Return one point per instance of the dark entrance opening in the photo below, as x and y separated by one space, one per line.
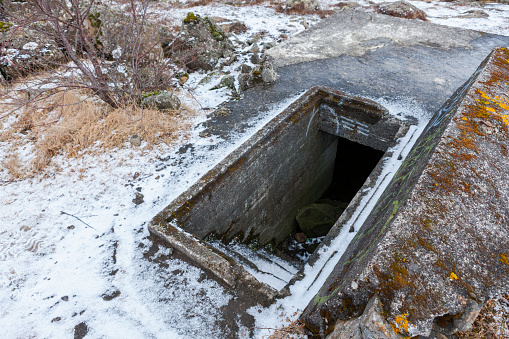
354 163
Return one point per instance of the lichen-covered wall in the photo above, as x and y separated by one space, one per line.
436 245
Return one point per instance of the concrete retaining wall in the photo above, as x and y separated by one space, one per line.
256 191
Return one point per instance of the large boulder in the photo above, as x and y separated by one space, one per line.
317 219
200 44
402 9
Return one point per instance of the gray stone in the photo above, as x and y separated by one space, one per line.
346 330
317 219
245 68
226 81
465 322
254 39
254 49
441 213
402 9
255 59
370 325
162 101
135 140
269 45
269 75
138 199
261 74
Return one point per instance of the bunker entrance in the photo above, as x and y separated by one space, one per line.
353 164
239 220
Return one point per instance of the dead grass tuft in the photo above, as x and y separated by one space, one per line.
295 329
66 124
14 168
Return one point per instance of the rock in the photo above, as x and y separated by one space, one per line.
226 81
317 219
370 325
183 80
402 9
303 5
80 330
474 14
254 49
138 198
269 45
269 75
22 55
162 101
263 73
135 140
254 39
301 237
255 59
465 322
245 68
205 41
110 295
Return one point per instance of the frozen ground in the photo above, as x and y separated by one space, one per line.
94 264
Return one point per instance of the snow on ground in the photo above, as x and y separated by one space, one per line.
73 245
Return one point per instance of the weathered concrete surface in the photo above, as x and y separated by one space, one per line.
255 193
436 246
394 58
356 33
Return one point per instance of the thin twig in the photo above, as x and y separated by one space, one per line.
62 212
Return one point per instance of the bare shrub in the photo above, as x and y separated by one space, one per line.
115 54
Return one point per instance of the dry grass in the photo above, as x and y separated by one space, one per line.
65 124
492 322
294 330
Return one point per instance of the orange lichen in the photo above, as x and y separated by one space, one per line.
504 258
401 323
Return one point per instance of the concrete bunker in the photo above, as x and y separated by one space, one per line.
251 198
